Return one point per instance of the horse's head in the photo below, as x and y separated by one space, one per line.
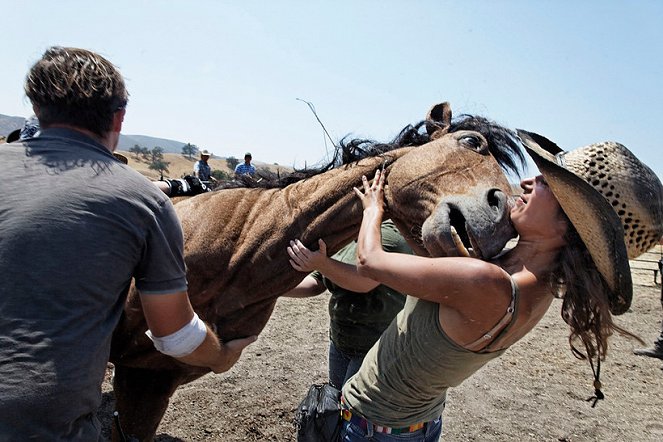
450 196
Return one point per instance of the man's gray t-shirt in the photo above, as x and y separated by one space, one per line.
75 226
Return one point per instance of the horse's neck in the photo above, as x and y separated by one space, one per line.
236 240
327 207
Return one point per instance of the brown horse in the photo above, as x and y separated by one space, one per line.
446 191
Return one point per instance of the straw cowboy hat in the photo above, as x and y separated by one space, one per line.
614 201
204 153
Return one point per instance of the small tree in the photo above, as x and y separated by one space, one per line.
156 160
189 150
136 150
160 166
145 153
232 162
156 154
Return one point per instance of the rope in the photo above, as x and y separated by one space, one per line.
598 394
310 105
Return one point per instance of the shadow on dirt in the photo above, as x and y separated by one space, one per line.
105 416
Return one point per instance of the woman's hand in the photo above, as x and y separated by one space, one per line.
373 194
304 260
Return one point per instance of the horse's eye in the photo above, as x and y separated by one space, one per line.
471 142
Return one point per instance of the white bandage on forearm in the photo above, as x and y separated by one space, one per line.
184 341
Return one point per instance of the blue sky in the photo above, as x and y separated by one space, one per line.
226 75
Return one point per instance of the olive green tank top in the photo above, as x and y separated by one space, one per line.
405 376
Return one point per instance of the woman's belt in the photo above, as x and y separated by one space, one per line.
364 424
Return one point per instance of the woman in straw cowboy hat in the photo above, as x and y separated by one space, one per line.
579 222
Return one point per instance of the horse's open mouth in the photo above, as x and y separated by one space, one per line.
461 237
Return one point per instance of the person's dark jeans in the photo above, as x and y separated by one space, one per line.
657 350
342 365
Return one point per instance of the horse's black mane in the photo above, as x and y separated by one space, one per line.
503 144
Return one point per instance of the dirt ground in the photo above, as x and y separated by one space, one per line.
535 392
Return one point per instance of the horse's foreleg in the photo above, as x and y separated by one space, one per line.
141 399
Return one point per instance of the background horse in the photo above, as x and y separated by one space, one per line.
445 190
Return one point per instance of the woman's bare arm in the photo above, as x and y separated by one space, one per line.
342 274
454 282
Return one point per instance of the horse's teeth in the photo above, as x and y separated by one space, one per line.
458 243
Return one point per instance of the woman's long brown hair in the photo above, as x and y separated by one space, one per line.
586 305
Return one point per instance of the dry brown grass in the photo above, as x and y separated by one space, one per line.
178 165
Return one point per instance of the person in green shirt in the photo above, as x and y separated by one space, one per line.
360 309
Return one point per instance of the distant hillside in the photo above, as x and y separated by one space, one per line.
8 124
169 146
179 165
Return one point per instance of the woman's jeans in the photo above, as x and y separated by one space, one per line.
354 433
342 366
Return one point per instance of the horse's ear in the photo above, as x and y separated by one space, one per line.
438 120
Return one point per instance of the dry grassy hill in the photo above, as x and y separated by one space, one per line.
180 165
